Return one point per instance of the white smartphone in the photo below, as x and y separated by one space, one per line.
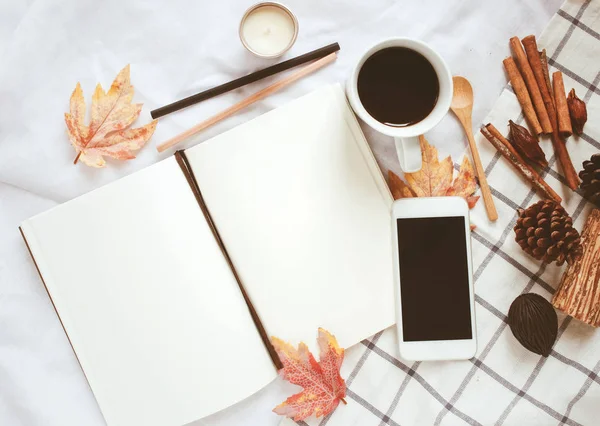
435 310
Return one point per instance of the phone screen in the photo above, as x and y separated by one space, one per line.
434 282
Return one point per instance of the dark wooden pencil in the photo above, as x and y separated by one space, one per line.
247 79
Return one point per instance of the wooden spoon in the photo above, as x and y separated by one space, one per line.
462 106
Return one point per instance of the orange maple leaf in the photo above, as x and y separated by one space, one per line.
465 183
399 188
111 114
435 178
323 387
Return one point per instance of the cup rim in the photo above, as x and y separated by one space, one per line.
444 99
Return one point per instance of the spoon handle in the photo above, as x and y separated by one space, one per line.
490 207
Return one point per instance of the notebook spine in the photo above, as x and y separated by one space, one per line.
191 179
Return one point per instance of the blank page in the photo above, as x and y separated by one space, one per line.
304 212
148 302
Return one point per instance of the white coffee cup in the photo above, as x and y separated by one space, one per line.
406 138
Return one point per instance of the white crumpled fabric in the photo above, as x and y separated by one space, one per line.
177 48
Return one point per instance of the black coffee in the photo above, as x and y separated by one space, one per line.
398 86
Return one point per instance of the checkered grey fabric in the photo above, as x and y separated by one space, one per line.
504 384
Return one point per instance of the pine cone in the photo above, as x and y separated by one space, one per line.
590 179
545 231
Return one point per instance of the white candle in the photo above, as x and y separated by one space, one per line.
268 30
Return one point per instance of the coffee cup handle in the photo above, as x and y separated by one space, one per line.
409 153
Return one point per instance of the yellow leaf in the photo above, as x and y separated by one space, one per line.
398 188
111 114
464 185
435 177
77 109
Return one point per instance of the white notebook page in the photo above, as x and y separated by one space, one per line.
152 310
304 213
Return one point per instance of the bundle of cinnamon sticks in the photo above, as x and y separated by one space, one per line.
544 104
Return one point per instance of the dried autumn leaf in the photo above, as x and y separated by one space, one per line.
472 200
464 185
398 187
111 114
323 387
435 178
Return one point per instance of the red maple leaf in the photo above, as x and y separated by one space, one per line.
323 387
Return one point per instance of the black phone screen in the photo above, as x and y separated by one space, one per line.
434 281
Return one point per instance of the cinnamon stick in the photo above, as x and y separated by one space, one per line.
535 63
544 61
533 56
560 102
578 294
522 94
531 83
508 151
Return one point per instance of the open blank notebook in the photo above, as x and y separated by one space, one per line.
168 282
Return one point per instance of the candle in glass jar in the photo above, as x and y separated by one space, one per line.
268 29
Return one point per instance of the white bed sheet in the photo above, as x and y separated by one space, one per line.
177 48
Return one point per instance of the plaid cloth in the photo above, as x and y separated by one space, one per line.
504 384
